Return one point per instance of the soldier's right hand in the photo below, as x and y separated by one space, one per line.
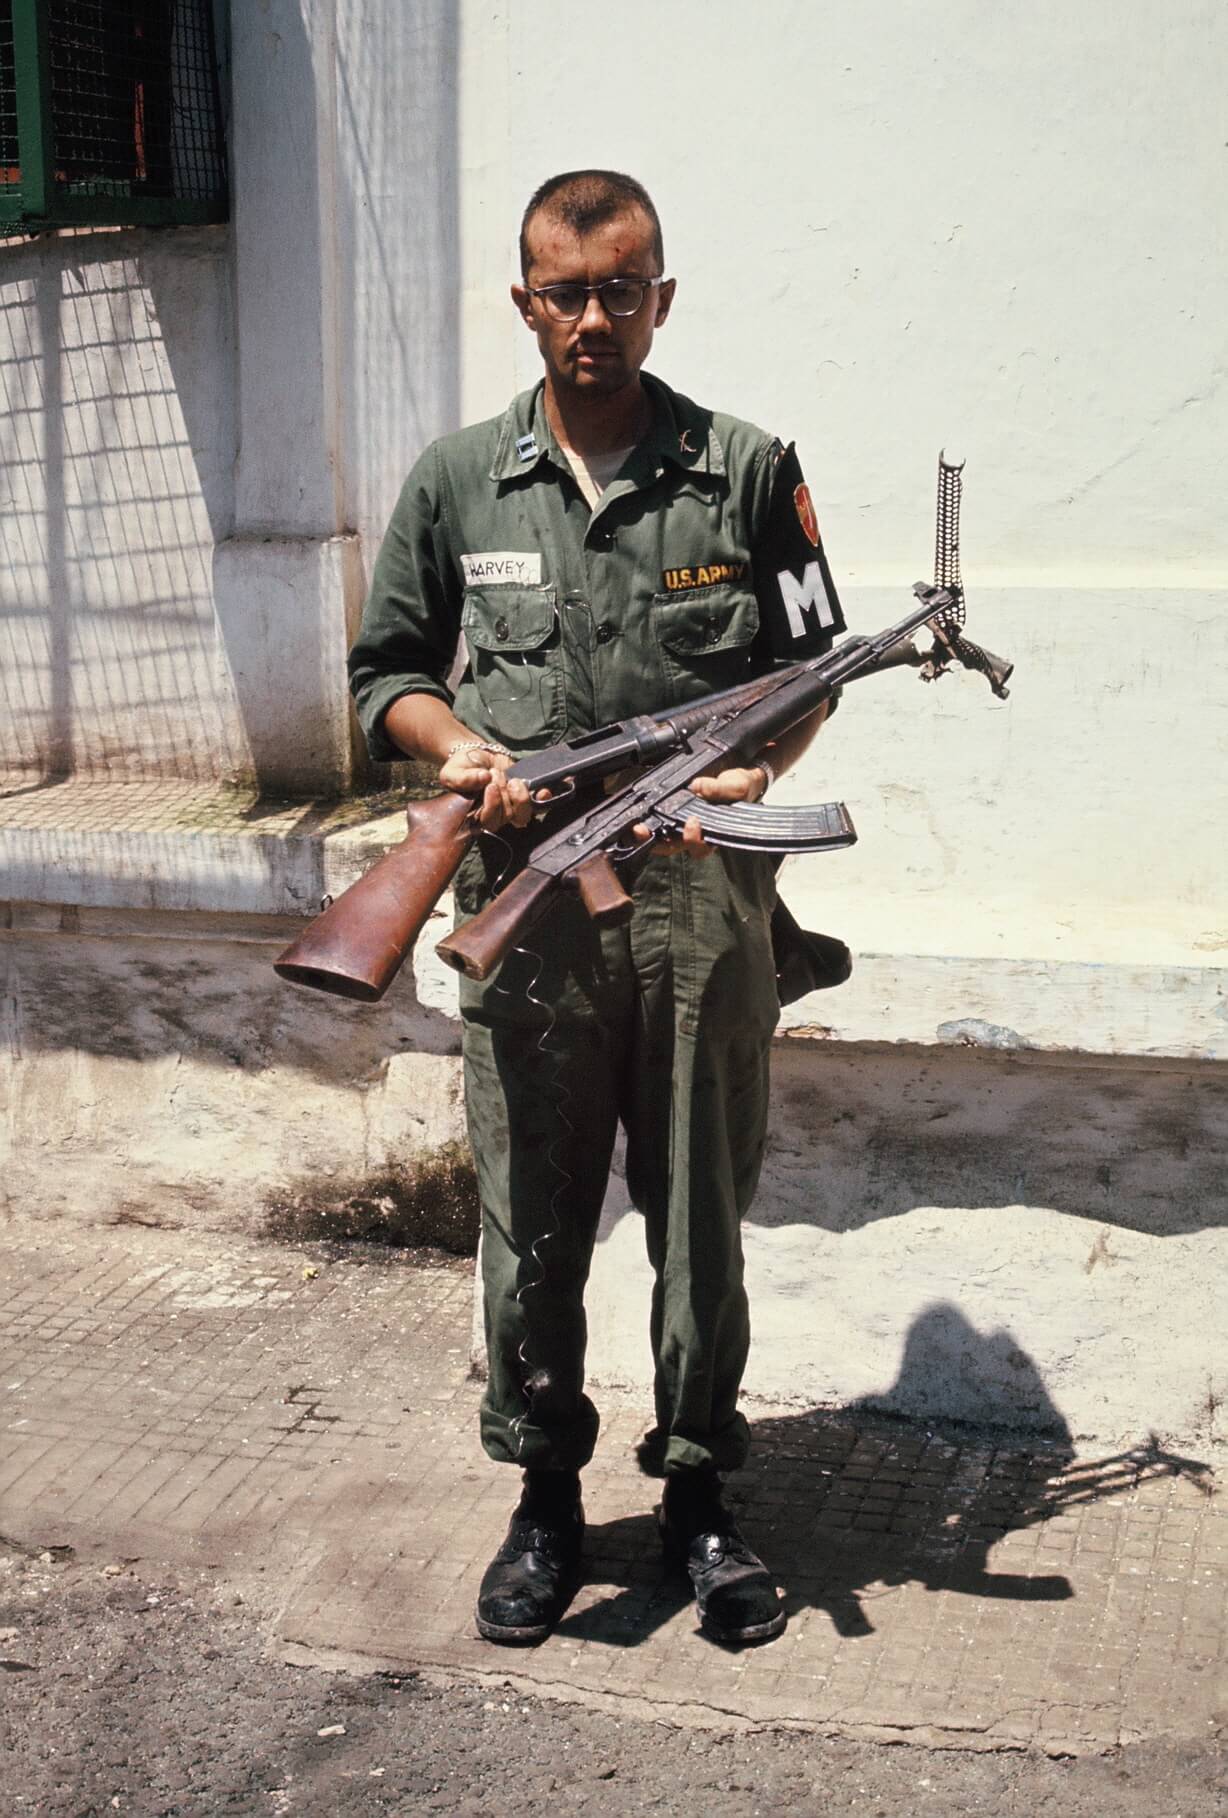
480 773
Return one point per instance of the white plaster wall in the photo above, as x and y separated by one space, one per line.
892 227
396 86
117 441
1079 820
343 150
895 227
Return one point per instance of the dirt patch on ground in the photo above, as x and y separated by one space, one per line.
140 1689
433 1205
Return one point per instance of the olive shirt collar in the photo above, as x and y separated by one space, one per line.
680 433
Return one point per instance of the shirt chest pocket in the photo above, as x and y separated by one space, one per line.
705 637
512 635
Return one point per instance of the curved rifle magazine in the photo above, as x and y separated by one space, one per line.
754 827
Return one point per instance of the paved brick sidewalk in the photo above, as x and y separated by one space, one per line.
267 1410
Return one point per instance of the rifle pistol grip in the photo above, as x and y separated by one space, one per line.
601 892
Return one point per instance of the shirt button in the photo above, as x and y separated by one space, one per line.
502 628
602 539
605 631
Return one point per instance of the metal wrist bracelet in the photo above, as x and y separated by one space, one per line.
768 771
459 745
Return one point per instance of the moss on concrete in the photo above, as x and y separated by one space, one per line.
431 1204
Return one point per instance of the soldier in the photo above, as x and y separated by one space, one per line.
607 547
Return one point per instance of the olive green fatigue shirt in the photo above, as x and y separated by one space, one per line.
573 619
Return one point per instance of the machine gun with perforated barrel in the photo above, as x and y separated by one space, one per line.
355 947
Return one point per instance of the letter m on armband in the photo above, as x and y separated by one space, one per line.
807 595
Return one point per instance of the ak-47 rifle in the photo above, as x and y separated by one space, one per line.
355 947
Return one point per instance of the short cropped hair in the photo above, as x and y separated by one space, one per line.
584 199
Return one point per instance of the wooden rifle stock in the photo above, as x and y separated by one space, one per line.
483 942
356 946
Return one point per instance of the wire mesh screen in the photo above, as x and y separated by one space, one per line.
110 111
10 172
134 98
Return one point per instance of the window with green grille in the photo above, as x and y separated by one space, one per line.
110 114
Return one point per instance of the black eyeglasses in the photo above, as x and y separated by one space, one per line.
619 297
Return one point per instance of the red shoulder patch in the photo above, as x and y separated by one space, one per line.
806 515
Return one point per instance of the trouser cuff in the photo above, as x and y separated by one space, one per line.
724 1450
520 1442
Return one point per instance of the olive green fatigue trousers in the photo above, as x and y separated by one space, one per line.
664 1024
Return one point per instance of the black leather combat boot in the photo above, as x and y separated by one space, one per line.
532 1578
735 1593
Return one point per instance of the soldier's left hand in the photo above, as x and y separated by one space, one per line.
733 785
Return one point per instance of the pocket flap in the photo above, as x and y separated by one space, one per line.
507 618
706 621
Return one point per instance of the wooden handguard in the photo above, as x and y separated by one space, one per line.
601 892
477 948
356 946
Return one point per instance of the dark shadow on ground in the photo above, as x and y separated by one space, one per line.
847 1506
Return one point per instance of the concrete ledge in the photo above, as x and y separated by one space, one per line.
1052 1006
174 846
1093 987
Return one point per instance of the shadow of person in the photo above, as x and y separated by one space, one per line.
951 1371
872 1505
850 1505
